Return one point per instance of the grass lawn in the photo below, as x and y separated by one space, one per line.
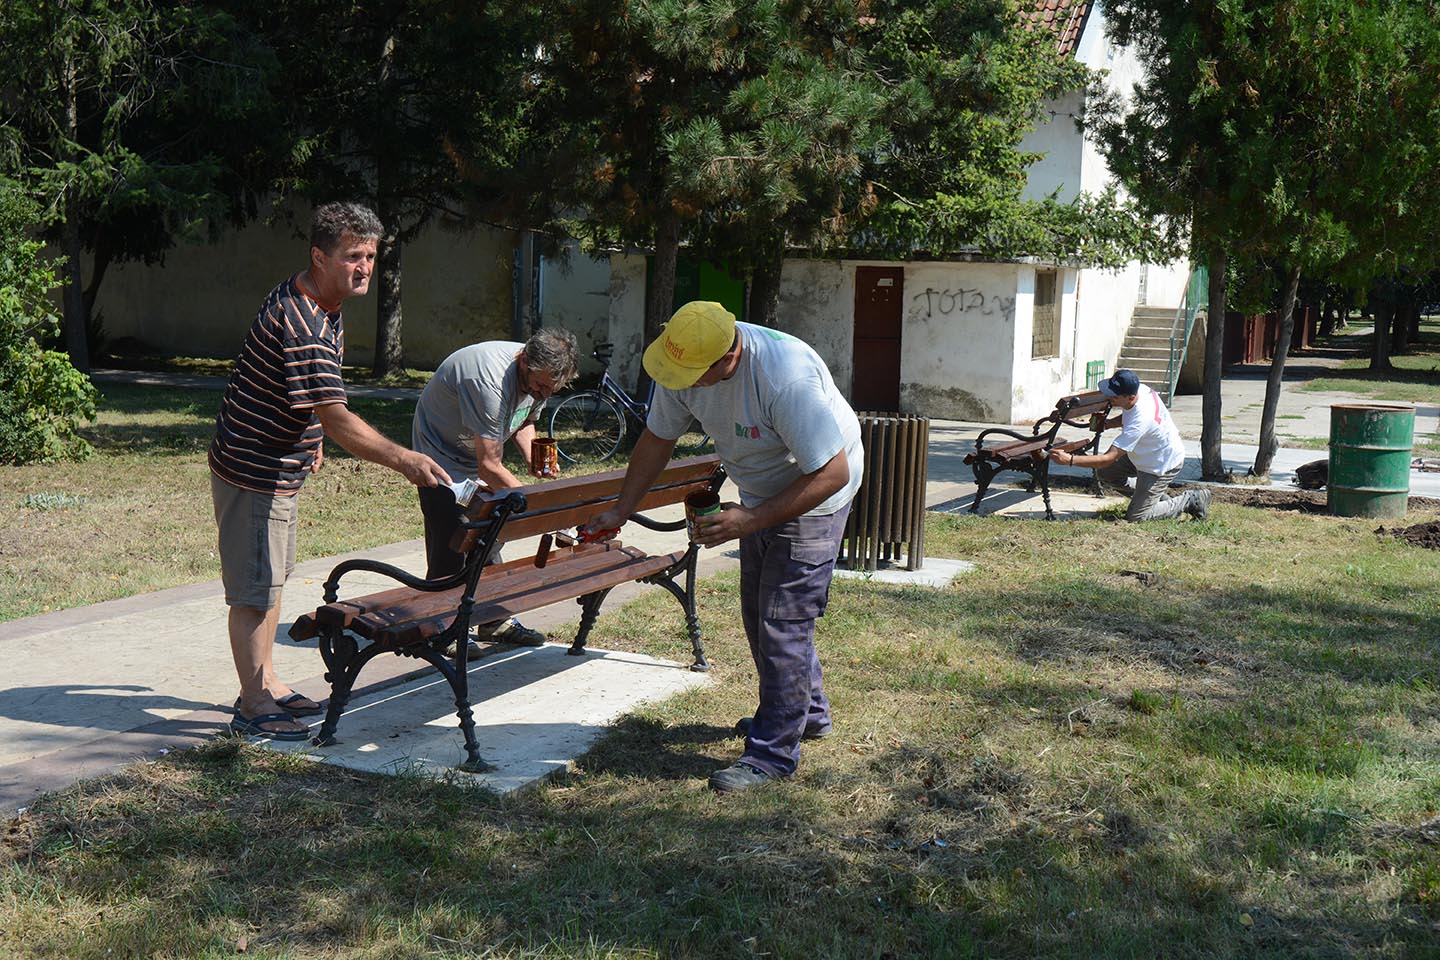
1239 757
137 517
1415 379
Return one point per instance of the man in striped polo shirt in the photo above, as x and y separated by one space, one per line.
284 397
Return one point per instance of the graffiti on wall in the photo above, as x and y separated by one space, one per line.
961 301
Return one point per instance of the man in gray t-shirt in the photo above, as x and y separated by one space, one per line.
792 444
480 397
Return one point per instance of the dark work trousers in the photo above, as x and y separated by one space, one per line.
442 519
785 574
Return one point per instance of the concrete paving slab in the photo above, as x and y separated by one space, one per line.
537 709
934 572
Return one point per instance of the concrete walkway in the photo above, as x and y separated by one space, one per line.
89 689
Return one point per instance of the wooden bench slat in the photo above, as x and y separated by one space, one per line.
573 578
566 503
417 602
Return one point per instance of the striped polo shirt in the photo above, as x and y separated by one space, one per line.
267 433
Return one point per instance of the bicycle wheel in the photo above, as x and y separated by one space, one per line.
587 427
694 441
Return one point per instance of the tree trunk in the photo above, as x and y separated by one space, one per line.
660 300
389 347
1408 308
1327 317
1268 444
1212 465
76 320
99 264
389 312
1380 345
763 300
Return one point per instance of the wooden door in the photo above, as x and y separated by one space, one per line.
879 293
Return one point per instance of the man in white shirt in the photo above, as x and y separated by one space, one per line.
792 445
1149 449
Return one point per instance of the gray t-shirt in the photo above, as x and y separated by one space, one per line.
778 418
474 393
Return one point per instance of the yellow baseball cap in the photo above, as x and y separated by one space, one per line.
699 333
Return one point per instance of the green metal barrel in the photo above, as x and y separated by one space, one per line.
1370 459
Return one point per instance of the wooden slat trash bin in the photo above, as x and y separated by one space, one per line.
889 508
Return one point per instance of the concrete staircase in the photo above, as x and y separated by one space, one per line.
1146 349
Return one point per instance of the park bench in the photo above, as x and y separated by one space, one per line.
1030 454
422 618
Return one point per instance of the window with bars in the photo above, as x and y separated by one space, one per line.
1045 332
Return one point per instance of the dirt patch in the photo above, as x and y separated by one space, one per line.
1268 498
1420 534
1296 501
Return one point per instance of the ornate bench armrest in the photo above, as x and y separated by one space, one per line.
1001 431
332 584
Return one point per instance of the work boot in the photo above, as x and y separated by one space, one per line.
742 727
472 650
1198 504
511 630
737 777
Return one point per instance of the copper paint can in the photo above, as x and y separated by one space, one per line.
544 457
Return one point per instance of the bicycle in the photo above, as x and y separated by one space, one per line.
589 426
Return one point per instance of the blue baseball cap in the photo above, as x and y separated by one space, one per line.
1124 383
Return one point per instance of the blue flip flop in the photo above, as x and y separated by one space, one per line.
285 704
251 727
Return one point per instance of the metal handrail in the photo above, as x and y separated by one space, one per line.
1196 297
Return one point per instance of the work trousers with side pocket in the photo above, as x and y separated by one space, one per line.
785 574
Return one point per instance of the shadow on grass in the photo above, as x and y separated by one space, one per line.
406 865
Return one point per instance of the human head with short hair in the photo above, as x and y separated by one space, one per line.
548 362
697 336
332 221
344 238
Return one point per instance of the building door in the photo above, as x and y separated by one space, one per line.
878 309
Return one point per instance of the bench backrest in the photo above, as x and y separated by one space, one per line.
1082 406
1077 410
563 504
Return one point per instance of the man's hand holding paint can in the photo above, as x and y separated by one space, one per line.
698 505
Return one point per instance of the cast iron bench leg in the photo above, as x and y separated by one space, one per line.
590 609
984 473
344 662
687 603
1045 488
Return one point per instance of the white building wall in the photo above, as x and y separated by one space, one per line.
201 301
957 346
575 295
1059 144
1036 383
626 317
817 304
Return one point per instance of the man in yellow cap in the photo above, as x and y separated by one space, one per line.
792 444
